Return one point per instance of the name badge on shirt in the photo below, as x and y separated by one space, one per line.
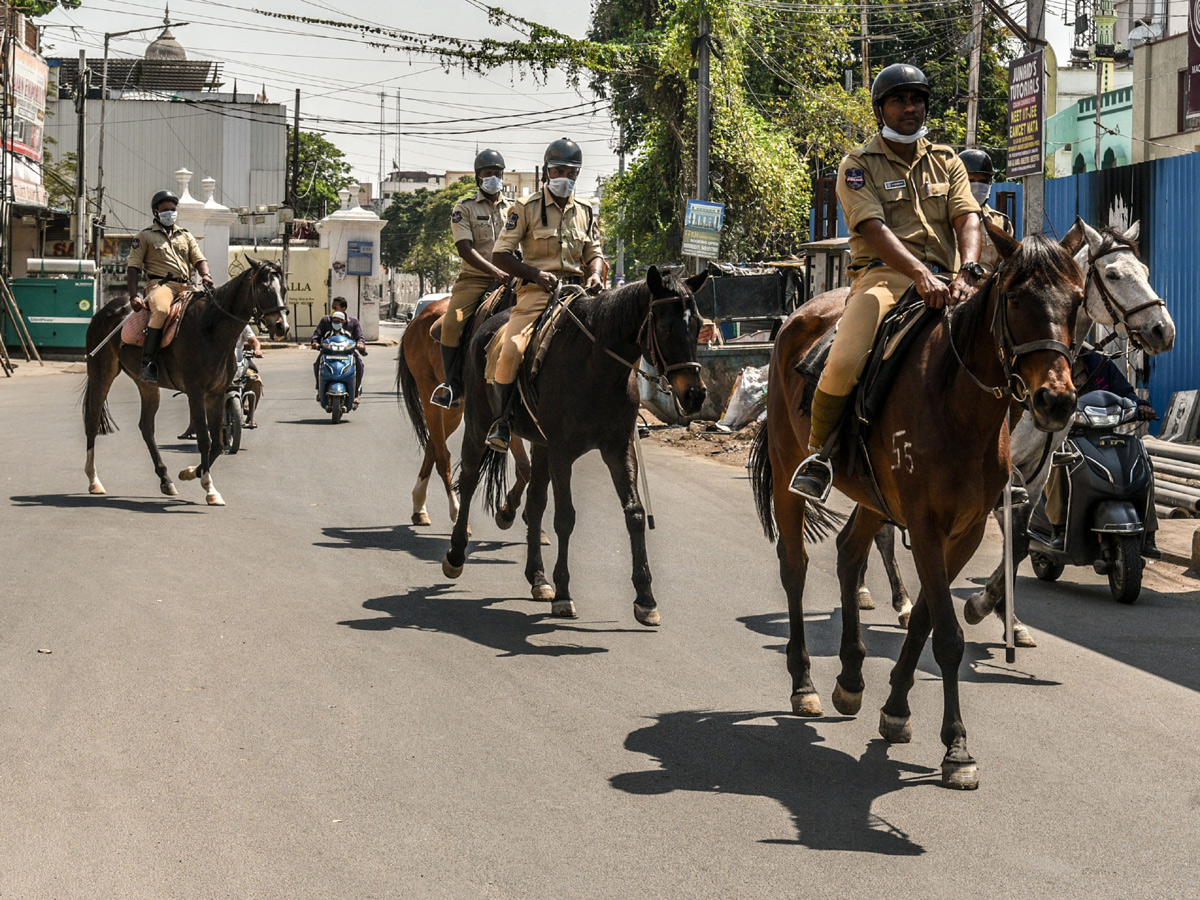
894 185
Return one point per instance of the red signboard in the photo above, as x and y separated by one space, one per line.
1193 69
1025 114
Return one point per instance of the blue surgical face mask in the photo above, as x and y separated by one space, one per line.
562 187
168 217
492 184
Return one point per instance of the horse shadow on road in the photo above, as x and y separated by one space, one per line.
823 635
108 501
406 539
445 610
828 793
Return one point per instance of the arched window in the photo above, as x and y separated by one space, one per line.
1080 164
1110 159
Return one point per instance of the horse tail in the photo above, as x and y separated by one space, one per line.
762 481
820 521
493 472
406 387
106 423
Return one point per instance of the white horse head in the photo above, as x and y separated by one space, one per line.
1118 292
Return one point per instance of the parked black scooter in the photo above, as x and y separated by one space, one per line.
1108 494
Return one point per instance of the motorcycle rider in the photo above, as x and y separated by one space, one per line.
475 224
342 322
167 253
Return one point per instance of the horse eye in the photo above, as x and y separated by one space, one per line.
1113 275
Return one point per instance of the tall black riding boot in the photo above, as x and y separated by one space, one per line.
448 394
502 396
150 355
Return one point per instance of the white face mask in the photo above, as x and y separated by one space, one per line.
981 192
167 217
338 324
562 187
891 134
492 184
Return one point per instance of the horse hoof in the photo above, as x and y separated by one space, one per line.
421 518
864 599
188 474
545 540
903 619
1022 636
895 729
505 522
807 705
846 702
961 775
647 615
169 489
543 592
215 499
96 488
449 570
563 609
974 610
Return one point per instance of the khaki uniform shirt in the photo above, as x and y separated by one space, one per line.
989 256
918 202
563 246
159 252
479 221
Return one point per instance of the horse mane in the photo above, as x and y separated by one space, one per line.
616 314
1115 240
220 294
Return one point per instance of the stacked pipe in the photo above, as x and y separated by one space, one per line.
1176 477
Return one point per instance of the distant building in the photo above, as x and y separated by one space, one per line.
1071 133
1160 124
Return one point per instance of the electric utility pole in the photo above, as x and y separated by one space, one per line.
866 46
973 77
703 107
1035 185
81 213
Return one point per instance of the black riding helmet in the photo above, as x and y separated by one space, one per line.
977 162
563 152
488 158
160 198
897 77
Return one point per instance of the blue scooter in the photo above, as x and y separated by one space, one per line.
338 369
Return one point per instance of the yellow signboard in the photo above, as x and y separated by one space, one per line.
308 282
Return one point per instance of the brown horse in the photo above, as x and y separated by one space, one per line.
940 453
199 362
418 372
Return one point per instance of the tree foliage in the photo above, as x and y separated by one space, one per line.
417 236
35 8
323 171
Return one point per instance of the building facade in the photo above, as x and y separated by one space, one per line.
1160 126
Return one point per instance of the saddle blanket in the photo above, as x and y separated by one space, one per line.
134 330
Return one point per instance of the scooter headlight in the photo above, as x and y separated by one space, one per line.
1100 417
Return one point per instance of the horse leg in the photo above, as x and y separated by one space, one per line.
441 427
622 466
895 717
991 598
853 546
885 541
150 400
507 514
206 413
535 508
793 570
420 515
564 524
102 370
468 480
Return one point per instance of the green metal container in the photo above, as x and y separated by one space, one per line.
57 311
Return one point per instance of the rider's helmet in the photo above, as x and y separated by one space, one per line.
488 158
977 162
897 77
160 198
563 152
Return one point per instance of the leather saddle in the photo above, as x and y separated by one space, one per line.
134 330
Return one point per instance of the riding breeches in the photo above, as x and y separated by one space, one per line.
531 303
159 298
465 297
872 295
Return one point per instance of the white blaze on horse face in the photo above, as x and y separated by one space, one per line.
277 288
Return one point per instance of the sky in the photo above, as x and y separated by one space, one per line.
442 113
341 77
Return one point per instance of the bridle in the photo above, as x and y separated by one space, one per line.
1120 315
1008 351
259 314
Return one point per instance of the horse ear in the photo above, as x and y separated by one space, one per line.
1073 239
1134 230
1094 238
696 281
1005 244
251 261
654 280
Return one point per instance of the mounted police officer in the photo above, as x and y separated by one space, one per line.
167 253
908 205
559 244
980 172
475 224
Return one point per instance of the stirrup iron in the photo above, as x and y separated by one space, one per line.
801 477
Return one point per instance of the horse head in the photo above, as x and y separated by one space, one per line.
1118 291
670 333
269 294
1039 290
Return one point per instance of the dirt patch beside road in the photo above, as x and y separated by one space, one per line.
730 448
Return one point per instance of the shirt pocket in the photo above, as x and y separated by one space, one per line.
898 213
935 200
483 234
543 244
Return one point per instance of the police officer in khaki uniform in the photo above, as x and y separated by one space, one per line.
475 224
559 244
167 253
980 172
908 205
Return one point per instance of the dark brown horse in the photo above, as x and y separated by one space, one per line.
940 451
418 372
587 399
199 362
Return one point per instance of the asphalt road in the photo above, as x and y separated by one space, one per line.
284 698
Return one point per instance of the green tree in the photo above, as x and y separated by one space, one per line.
403 226
35 8
323 171
417 236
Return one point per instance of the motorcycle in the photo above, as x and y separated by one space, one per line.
1109 483
237 408
337 373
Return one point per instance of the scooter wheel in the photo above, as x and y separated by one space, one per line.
1045 568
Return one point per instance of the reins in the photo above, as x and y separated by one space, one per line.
256 316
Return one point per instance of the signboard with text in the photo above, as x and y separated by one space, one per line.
1193 60
702 229
1026 111
25 95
